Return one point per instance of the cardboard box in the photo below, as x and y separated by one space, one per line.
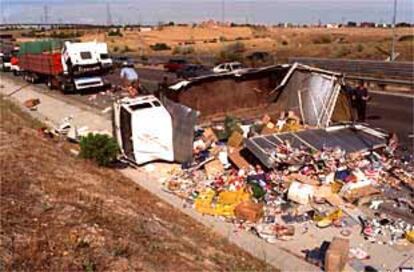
337 255
213 168
358 193
235 140
249 211
237 159
209 135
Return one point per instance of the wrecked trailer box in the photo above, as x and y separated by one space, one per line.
143 129
249 93
148 130
349 138
243 94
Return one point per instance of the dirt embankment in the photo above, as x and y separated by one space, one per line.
61 213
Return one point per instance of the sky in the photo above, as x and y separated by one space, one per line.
188 11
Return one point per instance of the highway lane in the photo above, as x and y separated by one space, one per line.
391 112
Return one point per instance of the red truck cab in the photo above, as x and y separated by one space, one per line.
173 65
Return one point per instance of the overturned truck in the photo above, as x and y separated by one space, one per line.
148 129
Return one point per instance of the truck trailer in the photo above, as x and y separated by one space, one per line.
69 66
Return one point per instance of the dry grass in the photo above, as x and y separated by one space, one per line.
353 43
60 213
363 43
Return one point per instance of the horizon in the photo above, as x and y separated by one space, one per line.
122 12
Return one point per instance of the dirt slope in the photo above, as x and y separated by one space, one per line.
61 213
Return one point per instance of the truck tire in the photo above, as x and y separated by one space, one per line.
49 84
66 88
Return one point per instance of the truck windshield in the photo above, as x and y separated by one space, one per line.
86 55
104 56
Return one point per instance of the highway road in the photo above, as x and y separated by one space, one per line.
392 112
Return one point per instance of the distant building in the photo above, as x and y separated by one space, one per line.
332 26
367 24
145 29
351 24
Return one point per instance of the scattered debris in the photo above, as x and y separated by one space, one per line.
32 103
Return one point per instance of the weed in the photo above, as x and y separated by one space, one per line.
89 266
160 47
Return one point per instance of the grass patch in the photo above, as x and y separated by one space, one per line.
10 112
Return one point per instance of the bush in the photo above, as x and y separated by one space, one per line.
100 148
232 52
183 50
160 47
404 38
342 52
127 49
325 39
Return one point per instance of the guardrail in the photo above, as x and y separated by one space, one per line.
380 69
384 81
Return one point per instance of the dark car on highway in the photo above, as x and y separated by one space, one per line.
118 61
192 70
173 65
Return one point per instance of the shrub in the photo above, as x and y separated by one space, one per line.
232 52
360 48
322 39
160 47
100 148
342 52
284 42
126 49
406 38
223 39
183 50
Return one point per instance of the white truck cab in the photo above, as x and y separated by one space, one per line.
106 61
85 61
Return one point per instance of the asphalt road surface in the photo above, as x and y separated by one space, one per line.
393 113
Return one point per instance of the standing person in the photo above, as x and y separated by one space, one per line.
129 76
362 98
162 87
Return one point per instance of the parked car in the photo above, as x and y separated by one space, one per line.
192 70
227 67
5 64
260 58
173 65
118 61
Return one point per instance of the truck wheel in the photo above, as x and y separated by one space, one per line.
63 88
49 84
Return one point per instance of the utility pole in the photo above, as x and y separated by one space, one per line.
394 37
222 11
108 15
46 14
3 19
